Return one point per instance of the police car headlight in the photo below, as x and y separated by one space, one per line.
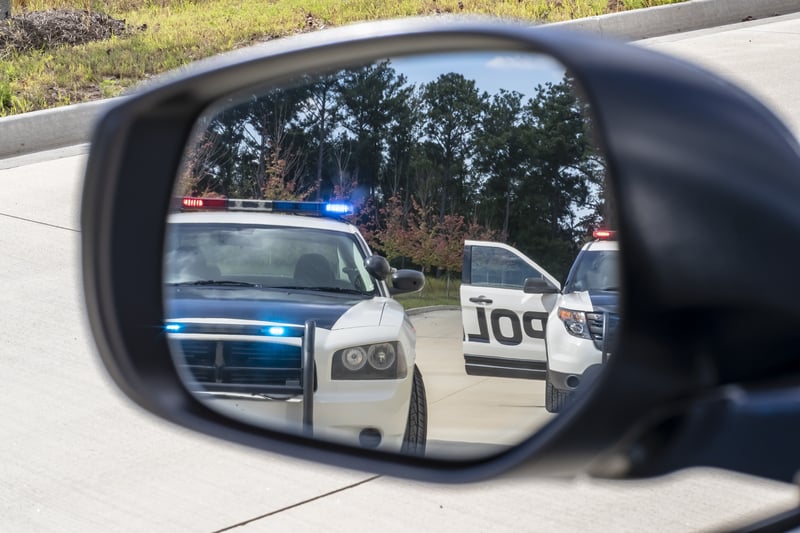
354 359
381 356
575 322
385 360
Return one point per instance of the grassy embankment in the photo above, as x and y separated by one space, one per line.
171 33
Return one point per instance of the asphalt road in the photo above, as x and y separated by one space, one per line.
77 456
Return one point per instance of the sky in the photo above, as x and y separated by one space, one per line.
492 71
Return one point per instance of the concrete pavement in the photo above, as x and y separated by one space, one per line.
760 56
470 415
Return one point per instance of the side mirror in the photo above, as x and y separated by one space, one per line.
538 286
378 267
706 156
407 281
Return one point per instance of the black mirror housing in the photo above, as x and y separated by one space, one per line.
405 280
378 267
538 286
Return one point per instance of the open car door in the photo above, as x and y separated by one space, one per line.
504 327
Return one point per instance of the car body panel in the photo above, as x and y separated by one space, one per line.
504 327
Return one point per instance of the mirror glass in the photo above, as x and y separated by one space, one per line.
401 255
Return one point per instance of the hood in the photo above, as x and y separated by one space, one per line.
607 301
590 301
284 308
281 307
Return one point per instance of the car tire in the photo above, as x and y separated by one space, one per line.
554 399
416 433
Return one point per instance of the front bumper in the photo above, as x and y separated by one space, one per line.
357 413
569 381
271 384
571 360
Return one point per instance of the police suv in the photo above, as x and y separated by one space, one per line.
584 320
519 323
287 320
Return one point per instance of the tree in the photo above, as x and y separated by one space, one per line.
392 235
416 233
213 162
320 113
561 170
370 97
401 139
422 163
274 144
448 242
452 107
502 156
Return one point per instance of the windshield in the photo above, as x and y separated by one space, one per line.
242 255
595 271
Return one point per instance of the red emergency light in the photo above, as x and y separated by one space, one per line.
604 234
204 203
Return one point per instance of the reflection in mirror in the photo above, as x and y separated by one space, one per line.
375 255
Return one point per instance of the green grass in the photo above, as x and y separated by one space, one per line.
435 292
175 32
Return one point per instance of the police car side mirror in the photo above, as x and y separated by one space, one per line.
378 267
404 281
538 286
698 171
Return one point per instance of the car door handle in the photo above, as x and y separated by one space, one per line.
480 300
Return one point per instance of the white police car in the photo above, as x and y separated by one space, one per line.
518 322
288 320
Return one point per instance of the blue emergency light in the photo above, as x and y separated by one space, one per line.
339 209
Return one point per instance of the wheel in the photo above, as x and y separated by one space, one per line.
417 424
554 399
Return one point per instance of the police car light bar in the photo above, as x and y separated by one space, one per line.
604 234
189 203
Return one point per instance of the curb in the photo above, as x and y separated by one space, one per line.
431 308
49 129
678 18
69 125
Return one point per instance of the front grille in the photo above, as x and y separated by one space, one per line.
241 366
595 323
261 354
198 353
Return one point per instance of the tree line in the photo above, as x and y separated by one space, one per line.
427 164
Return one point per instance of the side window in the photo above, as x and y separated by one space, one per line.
497 267
359 275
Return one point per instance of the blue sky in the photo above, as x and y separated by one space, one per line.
491 71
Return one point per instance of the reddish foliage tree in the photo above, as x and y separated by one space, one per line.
417 233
